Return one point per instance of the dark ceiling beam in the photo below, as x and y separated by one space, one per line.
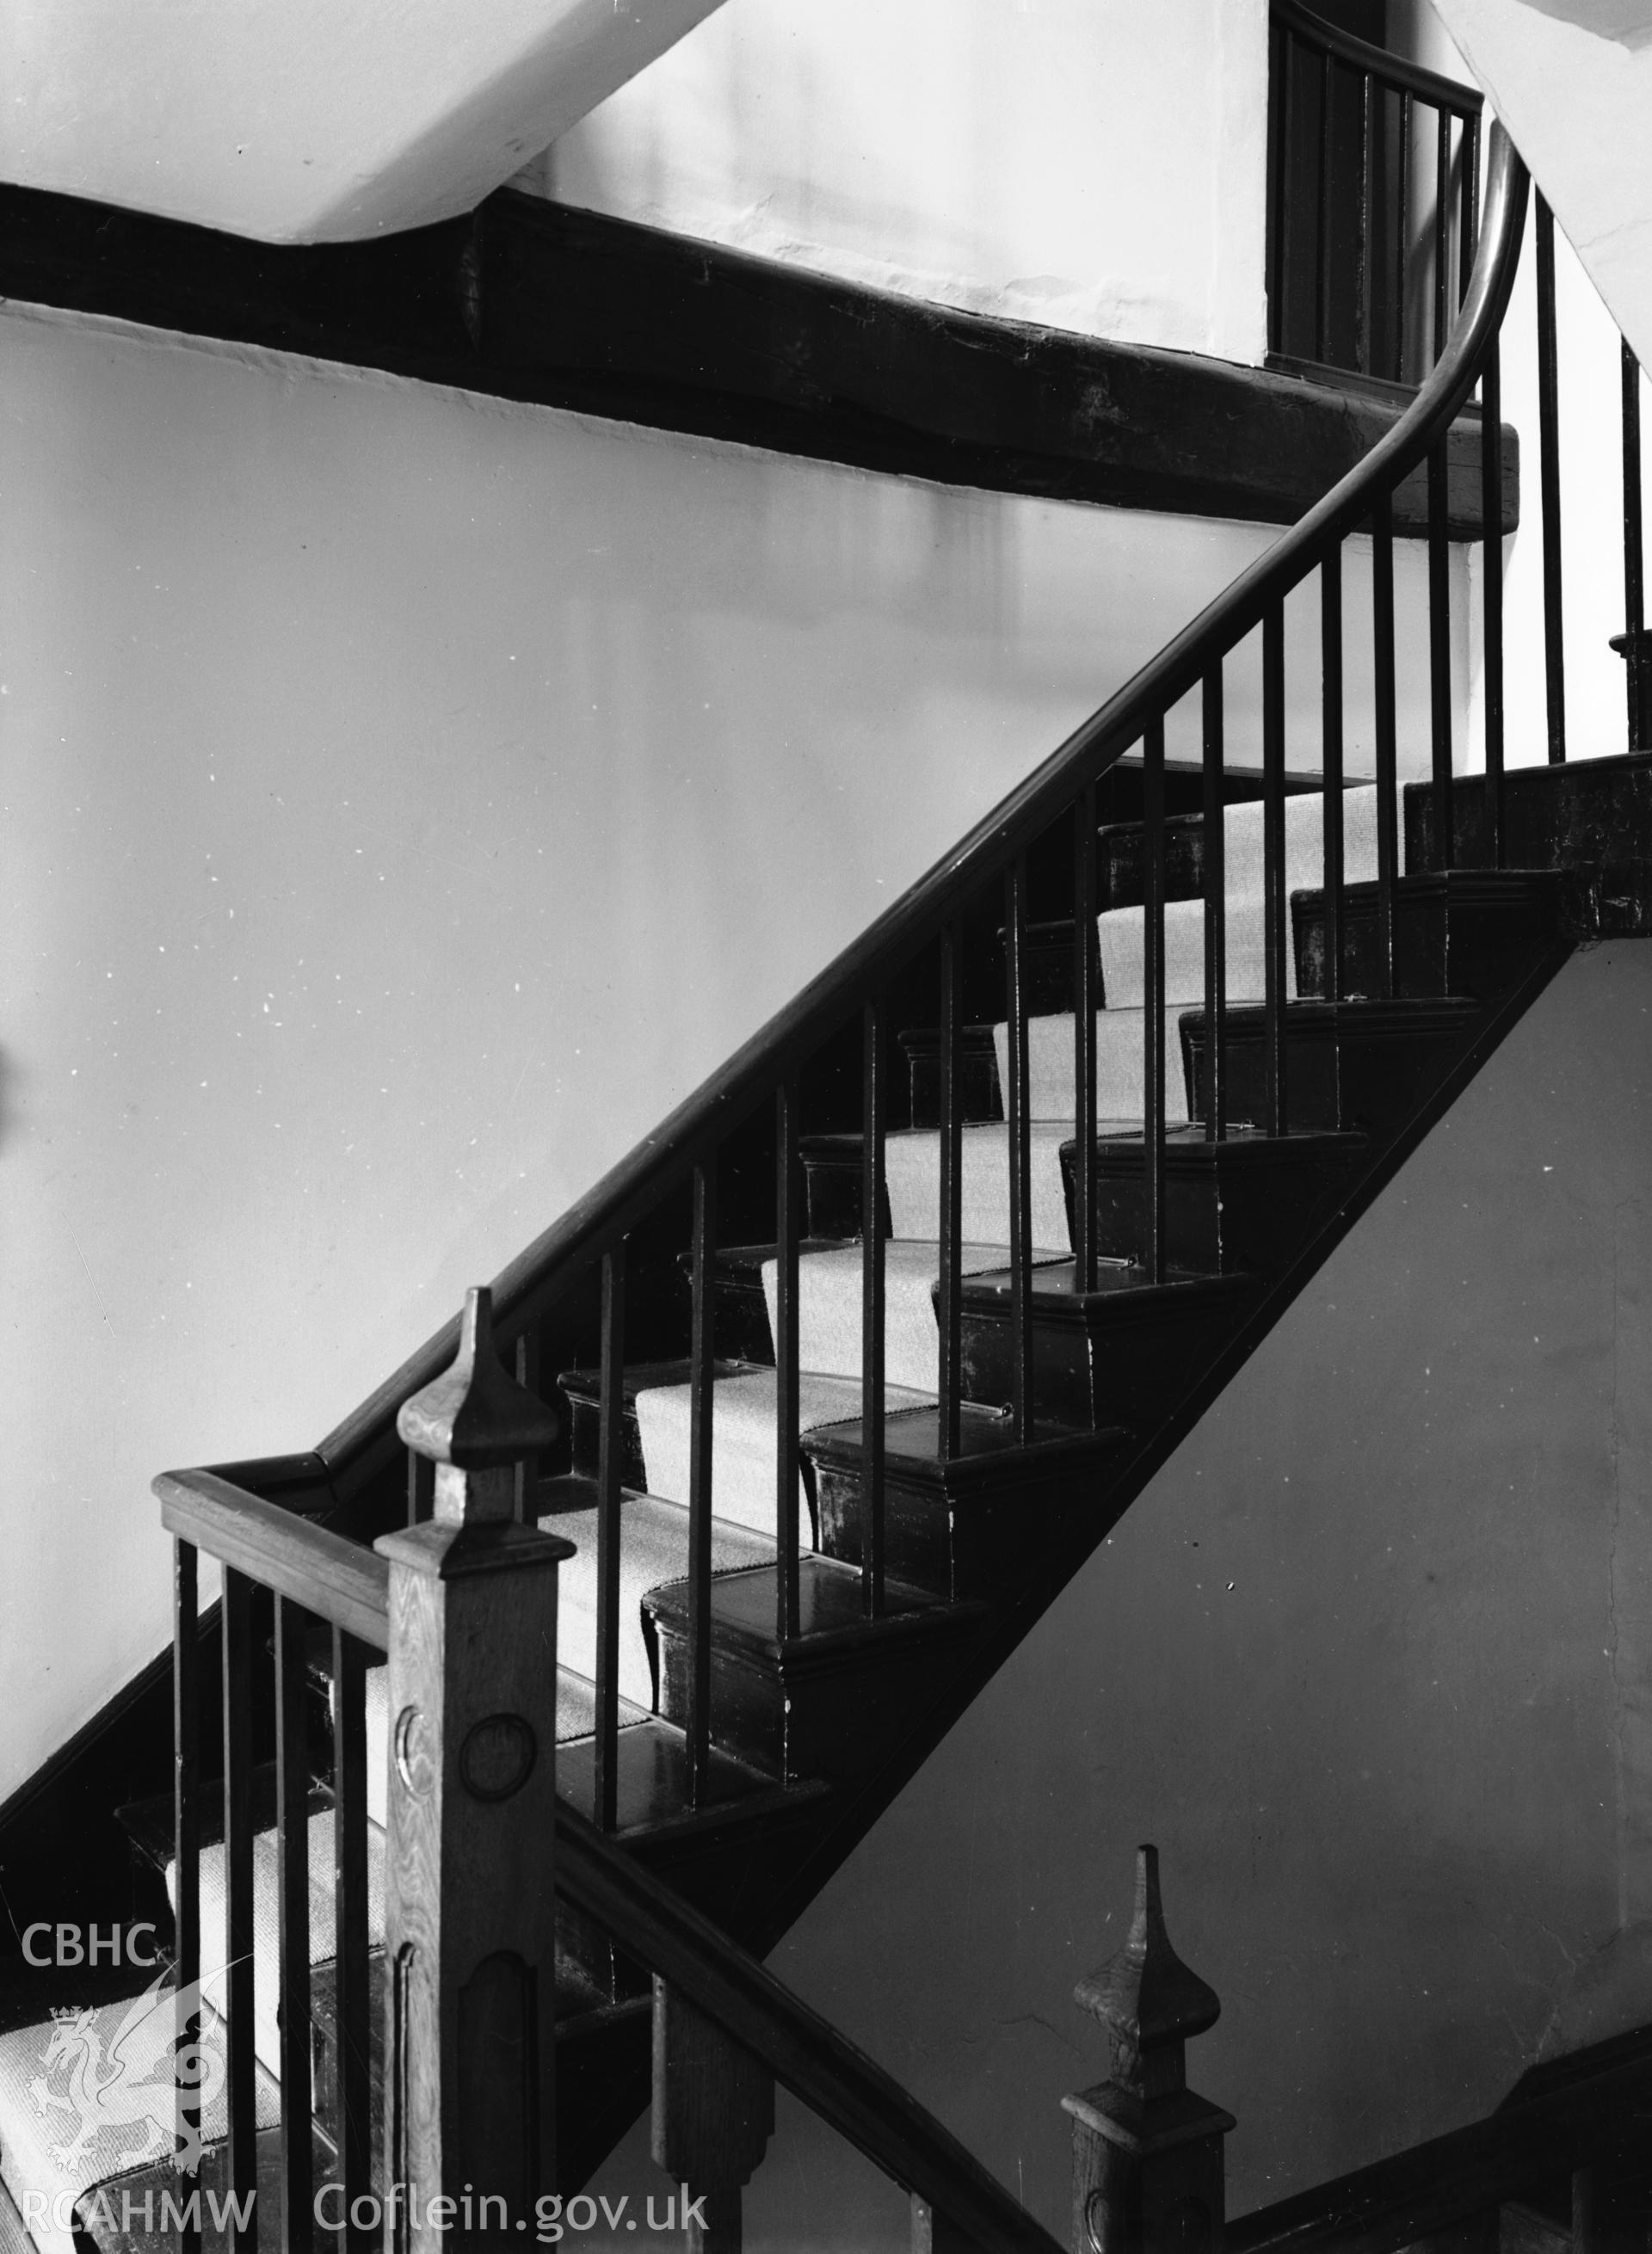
535 301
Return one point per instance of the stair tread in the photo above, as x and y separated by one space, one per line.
1121 1284
986 1434
149 1824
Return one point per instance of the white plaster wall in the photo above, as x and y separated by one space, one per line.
1087 164
407 798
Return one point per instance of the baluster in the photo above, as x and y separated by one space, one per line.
529 1355
351 2008
1153 1000
875 1083
1549 464
292 1897
1085 964
1147 2153
1327 155
236 1629
1401 230
1275 907
1439 657
610 1457
786 1450
1279 67
1468 223
1017 1103
471 1923
187 1848
1491 505
1364 283
702 1375
1331 675
1216 1089
1633 639
1387 749
1442 240
949 1311
712 2117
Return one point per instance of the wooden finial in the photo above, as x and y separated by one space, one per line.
1146 1998
1147 2153
475 1419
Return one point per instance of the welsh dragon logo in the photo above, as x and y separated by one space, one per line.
141 2081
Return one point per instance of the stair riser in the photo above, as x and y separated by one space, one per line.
816 1720
1594 815
835 1204
586 1439
954 1546
977 1077
1122 864
1371 1080
1094 1368
1483 948
1219 1220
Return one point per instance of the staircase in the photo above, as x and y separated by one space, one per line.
850 1366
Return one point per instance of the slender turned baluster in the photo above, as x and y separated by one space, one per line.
786 1229
1331 654
1468 236
1442 241
1633 641
1085 964
1215 1090
949 1312
1147 2153
610 1454
1364 280
1491 507
470 1910
529 1356
713 2117
1402 229
1387 746
872 1295
1017 1103
701 1372
1274 907
1549 463
292 1899
350 1926
1328 158
1153 1000
236 1624
1278 70
186 1847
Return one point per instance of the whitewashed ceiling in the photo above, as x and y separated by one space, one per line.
307 121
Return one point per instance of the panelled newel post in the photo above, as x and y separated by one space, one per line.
469 1909
1147 2153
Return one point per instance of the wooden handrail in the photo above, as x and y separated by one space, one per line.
1468 2172
1402 77
340 1581
598 1221
815 2062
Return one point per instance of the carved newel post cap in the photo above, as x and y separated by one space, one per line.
475 1416
1144 1996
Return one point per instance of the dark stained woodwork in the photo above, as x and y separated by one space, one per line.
532 300
802 2051
1456 931
470 1908
713 2114
1147 2153
1361 1065
1119 1354
1592 817
1243 1206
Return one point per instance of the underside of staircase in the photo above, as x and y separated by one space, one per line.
814 1735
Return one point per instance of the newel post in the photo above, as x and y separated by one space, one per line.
469 1909
1147 2153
